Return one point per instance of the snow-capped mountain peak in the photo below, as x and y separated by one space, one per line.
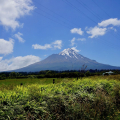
69 53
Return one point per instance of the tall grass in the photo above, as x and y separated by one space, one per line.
92 98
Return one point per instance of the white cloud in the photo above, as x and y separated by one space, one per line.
1 58
37 46
77 30
81 39
73 41
12 10
96 31
111 21
56 44
112 28
74 48
18 36
18 62
6 47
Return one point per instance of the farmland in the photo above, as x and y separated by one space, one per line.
88 98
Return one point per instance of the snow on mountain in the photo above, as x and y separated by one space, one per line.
69 53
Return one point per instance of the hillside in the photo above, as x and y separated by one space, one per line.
68 59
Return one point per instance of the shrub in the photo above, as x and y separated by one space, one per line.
34 92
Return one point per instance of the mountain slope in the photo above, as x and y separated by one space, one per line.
68 59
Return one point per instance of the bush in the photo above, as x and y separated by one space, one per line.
2 77
41 76
106 74
34 93
87 73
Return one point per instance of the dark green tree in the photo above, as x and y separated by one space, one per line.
88 73
12 75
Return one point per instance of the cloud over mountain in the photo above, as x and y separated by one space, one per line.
75 49
56 44
72 41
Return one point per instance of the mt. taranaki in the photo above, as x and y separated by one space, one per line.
68 59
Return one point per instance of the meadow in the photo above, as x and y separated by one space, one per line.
89 98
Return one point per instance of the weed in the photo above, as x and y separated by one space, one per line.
92 98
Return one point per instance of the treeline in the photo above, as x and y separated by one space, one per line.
54 74
73 73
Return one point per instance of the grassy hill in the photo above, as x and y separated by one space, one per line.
90 98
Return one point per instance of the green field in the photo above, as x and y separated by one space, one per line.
15 82
89 98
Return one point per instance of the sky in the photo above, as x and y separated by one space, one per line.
31 30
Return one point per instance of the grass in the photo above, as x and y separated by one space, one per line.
92 98
28 81
10 83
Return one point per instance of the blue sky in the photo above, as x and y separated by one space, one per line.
31 30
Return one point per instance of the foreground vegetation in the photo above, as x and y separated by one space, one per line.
89 98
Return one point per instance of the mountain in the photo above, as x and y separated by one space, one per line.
68 59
